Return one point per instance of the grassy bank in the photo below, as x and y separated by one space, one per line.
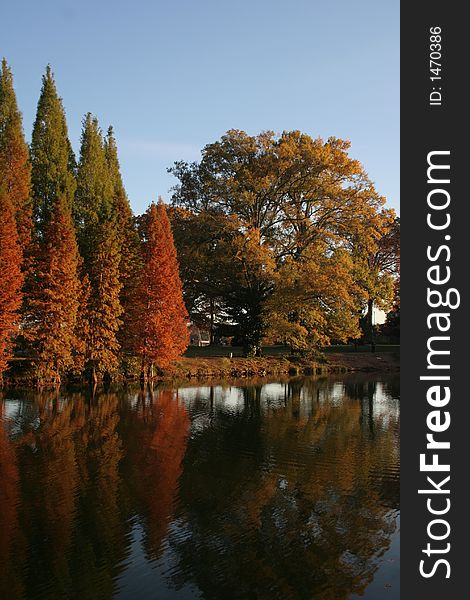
268 365
216 363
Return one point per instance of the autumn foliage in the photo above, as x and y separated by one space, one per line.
278 239
52 304
80 290
11 279
15 214
163 318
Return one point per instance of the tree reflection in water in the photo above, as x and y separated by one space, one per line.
159 429
297 515
11 547
281 491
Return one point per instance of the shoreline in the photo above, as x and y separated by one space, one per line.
335 362
238 368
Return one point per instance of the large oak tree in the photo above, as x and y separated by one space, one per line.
286 200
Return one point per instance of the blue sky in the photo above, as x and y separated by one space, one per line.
174 75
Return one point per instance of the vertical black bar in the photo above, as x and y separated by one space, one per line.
433 120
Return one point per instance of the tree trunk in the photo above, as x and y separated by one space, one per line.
370 324
211 326
93 376
142 371
56 379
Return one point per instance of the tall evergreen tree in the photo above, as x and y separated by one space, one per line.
53 162
11 278
129 243
53 305
93 204
164 333
53 285
98 238
15 167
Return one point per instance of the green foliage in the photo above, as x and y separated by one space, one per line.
93 203
52 158
103 308
391 327
99 243
130 263
15 166
377 267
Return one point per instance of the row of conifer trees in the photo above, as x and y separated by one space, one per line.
83 283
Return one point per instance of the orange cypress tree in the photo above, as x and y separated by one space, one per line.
164 333
15 167
52 305
11 278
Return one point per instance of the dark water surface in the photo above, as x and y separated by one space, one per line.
270 491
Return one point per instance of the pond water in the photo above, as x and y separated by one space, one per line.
278 490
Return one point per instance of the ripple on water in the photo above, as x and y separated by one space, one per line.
283 490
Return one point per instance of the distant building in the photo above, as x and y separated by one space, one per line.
199 337
379 316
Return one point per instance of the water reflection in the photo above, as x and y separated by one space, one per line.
281 490
156 430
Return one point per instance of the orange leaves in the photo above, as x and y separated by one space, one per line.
11 278
314 301
53 299
163 322
289 195
15 223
